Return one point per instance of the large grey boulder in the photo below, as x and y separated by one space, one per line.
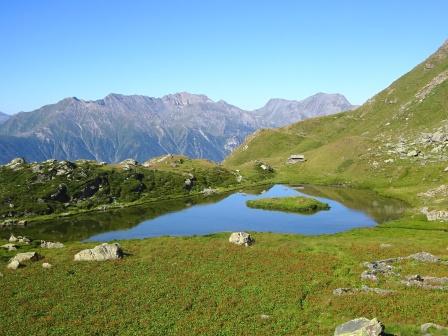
17 261
360 327
100 253
13 265
241 238
26 256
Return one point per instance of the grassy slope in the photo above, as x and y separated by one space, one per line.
342 148
112 186
206 286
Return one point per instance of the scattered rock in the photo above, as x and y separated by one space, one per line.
47 265
13 265
424 328
384 245
435 215
16 164
241 238
265 317
363 289
51 245
425 282
264 166
376 268
188 183
101 252
295 158
13 239
128 164
389 161
360 327
426 90
413 153
209 191
424 257
9 247
26 256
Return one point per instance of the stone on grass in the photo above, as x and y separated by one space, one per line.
13 265
241 238
424 328
363 289
13 239
47 265
9 247
101 252
51 245
424 257
360 327
26 256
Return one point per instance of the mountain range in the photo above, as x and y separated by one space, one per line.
3 117
118 126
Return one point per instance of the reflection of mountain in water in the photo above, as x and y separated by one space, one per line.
379 208
82 226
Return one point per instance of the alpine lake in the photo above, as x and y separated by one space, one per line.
349 208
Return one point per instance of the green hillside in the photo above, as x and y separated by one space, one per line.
395 142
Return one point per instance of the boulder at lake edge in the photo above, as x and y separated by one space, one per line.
241 238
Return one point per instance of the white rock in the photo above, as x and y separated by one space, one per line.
9 247
21 257
47 265
13 265
101 252
241 238
51 245
13 239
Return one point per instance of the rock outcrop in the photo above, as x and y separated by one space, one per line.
100 253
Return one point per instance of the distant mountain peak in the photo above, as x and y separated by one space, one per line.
3 117
280 112
186 98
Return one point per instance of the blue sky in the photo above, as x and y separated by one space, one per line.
244 52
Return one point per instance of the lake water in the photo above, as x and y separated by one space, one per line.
232 214
350 208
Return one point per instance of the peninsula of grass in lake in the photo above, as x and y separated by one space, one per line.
297 204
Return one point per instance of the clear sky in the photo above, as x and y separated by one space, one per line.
242 51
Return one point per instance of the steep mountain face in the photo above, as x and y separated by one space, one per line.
3 117
282 112
397 138
139 127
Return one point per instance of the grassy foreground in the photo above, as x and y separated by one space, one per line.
298 204
206 286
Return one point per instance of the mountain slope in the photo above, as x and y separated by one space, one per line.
119 127
397 138
282 112
3 117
